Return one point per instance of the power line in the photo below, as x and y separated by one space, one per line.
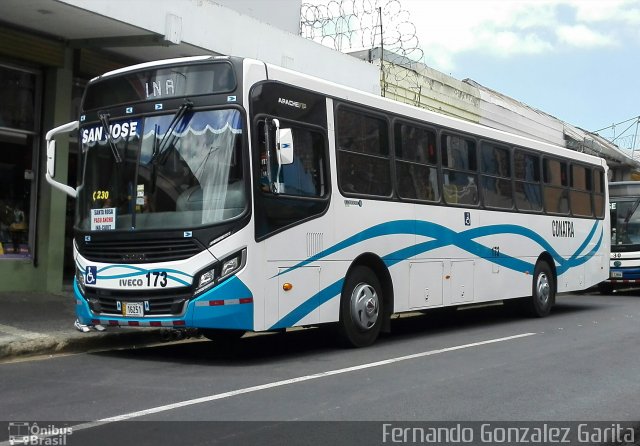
612 126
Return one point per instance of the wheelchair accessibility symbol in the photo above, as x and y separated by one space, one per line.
91 276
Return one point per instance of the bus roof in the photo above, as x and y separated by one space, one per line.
158 63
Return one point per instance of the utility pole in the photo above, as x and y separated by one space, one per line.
382 76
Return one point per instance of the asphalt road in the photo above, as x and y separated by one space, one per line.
582 363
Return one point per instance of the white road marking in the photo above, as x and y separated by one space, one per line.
286 382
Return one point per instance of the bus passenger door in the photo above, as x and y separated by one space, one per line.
462 281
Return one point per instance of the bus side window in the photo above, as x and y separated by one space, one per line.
459 170
306 176
556 193
363 154
496 176
598 193
580 194
416 163
303 183
528 194
266 155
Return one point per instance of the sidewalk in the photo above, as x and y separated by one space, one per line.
42 324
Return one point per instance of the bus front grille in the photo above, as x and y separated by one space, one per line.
110 302
139 251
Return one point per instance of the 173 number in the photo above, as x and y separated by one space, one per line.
159 278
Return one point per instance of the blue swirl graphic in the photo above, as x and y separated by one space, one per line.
440 236
171 273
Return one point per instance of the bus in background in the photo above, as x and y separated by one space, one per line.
230 195
624 202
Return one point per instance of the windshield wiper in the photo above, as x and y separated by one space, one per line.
104 120
631 211
175 121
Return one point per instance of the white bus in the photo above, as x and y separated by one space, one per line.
230 195
624 200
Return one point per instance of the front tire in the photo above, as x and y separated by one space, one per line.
543 292
361 308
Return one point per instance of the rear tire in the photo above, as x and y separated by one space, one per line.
543 292
361 308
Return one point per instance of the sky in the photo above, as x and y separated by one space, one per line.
577 60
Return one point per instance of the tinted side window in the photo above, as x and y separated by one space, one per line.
526 172
555 172
307 175
304 182
459 164
580 193
496 176
598 193
360 133
556 194
416 163
363 154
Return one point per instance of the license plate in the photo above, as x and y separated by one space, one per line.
133 309
616 274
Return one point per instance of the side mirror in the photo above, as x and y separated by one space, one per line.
284 154
51 157
286 146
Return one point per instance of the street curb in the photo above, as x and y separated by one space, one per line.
78 343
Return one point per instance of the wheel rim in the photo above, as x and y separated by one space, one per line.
543 289
364 306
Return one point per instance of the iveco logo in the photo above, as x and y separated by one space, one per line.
133 257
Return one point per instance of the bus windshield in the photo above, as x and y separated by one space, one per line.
177 170
625 221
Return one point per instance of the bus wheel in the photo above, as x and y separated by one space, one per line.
221 335
543 291
361 309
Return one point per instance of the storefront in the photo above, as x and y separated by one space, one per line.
41 83
20 93
49 49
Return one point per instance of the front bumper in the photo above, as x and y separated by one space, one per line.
229 305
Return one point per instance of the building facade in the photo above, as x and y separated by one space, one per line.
50 49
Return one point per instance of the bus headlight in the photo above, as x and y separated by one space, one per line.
206 280
231 264
220 271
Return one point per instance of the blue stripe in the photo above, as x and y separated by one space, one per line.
442 236
586 240
309 305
